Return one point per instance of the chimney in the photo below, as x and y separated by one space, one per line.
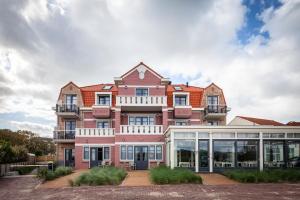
187 84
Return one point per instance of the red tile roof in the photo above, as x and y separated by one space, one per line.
292 123
262 121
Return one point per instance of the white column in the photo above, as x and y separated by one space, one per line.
172 150
196 154
210 152
261 152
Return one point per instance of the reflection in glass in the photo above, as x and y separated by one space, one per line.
247 152
293 153
185 153
273 154
224 154
203 154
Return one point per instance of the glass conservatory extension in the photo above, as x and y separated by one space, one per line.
215 148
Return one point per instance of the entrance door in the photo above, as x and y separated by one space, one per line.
69 157
141 157
93 157
203 155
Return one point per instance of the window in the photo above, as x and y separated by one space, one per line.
158 152
71 99
247 154
141 92
293 154
141 120
248 135
180 100
123 152
103 124
180 123
213 123
273 135
129 152
107 87
212 100
152 152
103 100
86 153
177 88
224 154
70 127
184 153
273 154
106 153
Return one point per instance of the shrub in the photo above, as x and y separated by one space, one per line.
46 174
165 175
101 176
25 169
267 176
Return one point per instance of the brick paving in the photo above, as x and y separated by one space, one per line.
137 178
25 188
62 181
216 179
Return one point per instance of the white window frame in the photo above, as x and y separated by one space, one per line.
181 120
181 94
104 94
83 147
104 120
218 102
142 88
133 146
142 115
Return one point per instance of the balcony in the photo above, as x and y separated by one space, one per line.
147 103
95 132
64 136
141 129
67 110
215 111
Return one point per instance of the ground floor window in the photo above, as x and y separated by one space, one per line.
86 153
154 152
224 154
247 153
293 154
185 153
273 154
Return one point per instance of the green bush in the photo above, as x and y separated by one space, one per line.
101 176
25 169
267 176
165 175
46 174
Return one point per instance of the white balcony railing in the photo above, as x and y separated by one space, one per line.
141 101
141 129
95 132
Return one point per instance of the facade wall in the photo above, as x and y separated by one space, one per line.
60 151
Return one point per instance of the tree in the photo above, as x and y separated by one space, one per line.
6 152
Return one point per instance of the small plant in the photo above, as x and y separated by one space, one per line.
50 175
165 175
267 176
101 176
24 169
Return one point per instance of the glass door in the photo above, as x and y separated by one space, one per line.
203 155
141 157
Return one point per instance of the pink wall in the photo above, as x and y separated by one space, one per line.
101 112
130 91
183 112
95 140
88 115
139 138
89 124
79 163
149 79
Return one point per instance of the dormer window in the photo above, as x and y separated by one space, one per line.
212 103
71 99
177 88
103 99
181 100
107 87
141 92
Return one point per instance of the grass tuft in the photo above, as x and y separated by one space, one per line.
164 175
50 175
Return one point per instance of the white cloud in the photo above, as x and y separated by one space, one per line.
42 130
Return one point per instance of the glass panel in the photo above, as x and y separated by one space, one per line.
104 100
103 124
273 154
247 154
67 154
106 153
273 135
293 154
93 154
142 92
158 152
144 120
293 135
185 153
180 100
151 120
223 135
130 152
184 135
203 135
203 154
248 135
131 120
123 152
180 123
152 152
212 100
86 154
138 121
224 154
145 153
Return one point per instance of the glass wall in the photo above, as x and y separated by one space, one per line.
273 154
184 153
293 154
224 154
247 154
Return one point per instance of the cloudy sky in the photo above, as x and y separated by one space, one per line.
249 48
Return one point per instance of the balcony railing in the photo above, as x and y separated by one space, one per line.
67 108
216 109
64 135
141 101
95 132
141 129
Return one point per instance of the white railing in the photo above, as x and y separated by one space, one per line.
141 129
141 101
95 132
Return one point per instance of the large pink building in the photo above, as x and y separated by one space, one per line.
123 123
